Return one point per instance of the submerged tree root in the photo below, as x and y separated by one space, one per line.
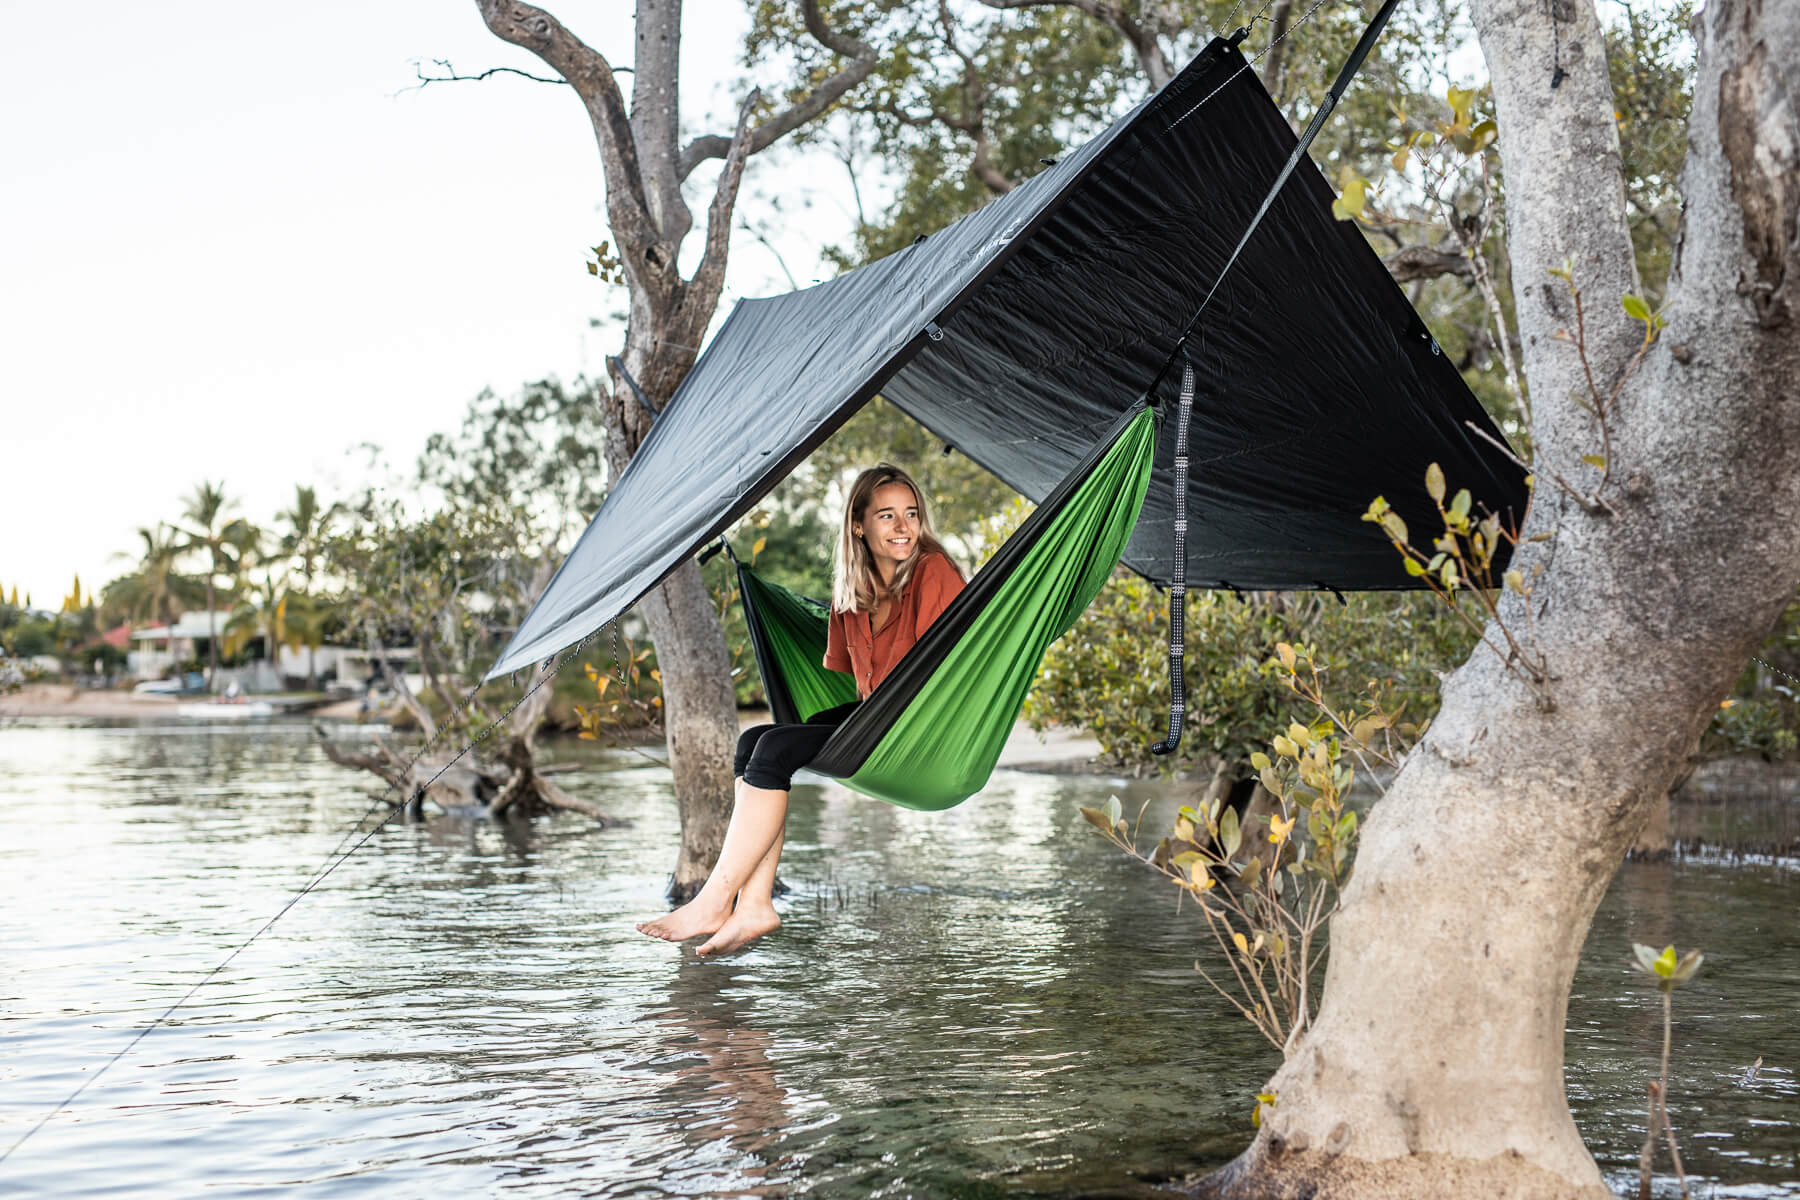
1270 1171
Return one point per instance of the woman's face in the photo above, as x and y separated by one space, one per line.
889 525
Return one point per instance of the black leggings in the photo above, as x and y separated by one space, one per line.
768 755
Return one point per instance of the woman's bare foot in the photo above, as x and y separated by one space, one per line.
744 926
698 916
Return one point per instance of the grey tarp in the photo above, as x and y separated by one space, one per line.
1019 334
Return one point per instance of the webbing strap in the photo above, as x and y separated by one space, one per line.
1178 583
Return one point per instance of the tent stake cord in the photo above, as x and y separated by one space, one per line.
333 861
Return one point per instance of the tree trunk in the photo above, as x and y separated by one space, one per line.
645 167
1480 871
212 638
1653 839
699 718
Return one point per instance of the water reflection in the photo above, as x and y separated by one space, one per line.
723 1086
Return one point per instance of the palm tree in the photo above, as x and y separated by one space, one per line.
306 530
224 540
156 591
272 612
308 526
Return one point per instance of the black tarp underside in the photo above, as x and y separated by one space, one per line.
1320 388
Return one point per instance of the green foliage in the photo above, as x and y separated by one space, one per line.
1669 973
1459 563
1650 59
158 590
221 540
1762 714
30 637
626 695
505 491
1267 883
1110 675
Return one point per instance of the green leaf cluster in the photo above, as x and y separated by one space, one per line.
1110 674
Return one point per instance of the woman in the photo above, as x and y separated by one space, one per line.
890 580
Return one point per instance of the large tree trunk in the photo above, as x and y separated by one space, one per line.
645 166
1480 871
699 718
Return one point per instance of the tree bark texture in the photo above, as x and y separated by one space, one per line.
1435 1066
645 167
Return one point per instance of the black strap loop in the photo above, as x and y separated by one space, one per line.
1178 577
1178 588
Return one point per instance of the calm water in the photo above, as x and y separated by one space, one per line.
986 1002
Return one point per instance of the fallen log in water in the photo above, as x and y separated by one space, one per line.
509 782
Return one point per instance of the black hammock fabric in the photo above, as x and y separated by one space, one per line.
1022 332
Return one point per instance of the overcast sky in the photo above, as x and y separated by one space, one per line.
229 250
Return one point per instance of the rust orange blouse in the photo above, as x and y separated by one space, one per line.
853 646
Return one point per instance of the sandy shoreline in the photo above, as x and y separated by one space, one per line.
65 700
1026 750
1061 751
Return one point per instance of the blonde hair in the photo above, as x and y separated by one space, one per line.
855 586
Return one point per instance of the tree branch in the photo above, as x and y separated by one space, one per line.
450 75
397 681
975 119
593 78
1143 42
862 62
555 797
1276 55
1420 261
709 276
353 758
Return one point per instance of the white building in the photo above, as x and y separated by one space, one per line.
157 648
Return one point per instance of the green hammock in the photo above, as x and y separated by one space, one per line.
929 736
787 632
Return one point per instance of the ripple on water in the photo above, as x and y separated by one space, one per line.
988 999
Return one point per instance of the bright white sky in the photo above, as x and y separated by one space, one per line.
230 251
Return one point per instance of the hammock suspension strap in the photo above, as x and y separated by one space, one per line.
1178 586
1178 582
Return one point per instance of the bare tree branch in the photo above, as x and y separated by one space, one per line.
709 276
555 797
450 75
780 261
982 163
396 680
862 62
1275 57
1143 42
1420 261
592 77
353 758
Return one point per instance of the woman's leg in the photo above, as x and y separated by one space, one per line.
754 834
754 914
744 876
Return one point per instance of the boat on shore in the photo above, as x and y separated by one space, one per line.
225 710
